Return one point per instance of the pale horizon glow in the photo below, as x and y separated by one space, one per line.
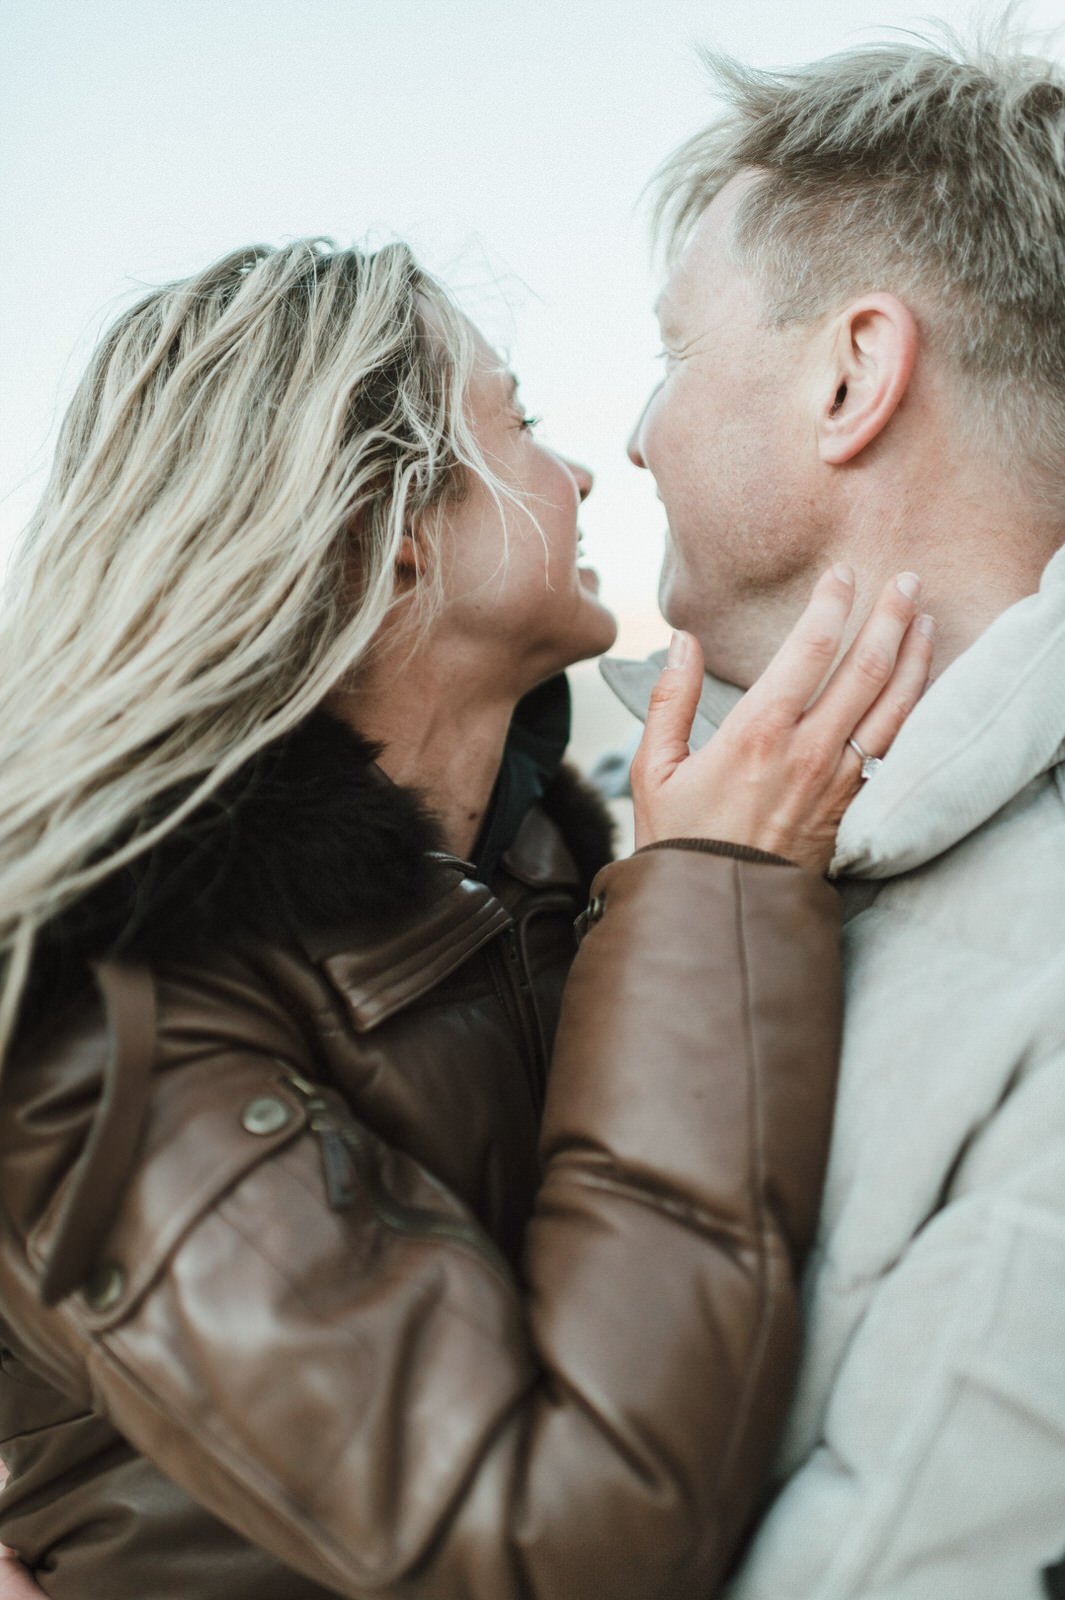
509 144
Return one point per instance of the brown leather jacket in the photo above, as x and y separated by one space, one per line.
313 1282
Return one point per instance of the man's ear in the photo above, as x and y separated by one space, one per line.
870 356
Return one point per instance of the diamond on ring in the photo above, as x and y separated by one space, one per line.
870 764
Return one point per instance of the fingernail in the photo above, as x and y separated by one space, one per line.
909 583
678 650
844 573
926 625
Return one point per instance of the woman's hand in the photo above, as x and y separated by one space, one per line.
15 1581
779 773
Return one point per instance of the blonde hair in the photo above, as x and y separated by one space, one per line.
243 442
923 167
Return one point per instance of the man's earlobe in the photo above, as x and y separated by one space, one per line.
872 353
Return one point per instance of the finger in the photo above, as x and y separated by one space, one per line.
798 669
867 668
877 730
15 1581
670 715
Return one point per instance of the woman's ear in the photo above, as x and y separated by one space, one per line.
872 349
410 563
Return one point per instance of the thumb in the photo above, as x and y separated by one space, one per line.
672 709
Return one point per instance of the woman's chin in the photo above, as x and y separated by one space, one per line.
598 625
588 630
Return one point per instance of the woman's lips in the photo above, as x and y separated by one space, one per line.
589 578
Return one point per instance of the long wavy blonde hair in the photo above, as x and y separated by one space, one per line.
216 548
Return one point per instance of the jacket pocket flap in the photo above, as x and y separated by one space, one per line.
208 1124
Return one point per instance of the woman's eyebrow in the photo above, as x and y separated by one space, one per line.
664 312
510 387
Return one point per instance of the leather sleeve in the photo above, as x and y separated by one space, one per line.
367 1394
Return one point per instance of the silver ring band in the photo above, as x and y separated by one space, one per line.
870 764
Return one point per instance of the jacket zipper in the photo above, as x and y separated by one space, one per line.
510 981
510 978
512 987
348 1166
543 906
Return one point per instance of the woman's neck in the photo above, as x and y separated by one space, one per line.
439 735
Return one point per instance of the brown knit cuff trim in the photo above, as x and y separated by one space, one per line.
718 847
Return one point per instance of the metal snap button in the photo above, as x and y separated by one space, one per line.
105 1286
265 1114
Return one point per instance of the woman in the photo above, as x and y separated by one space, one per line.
312 1280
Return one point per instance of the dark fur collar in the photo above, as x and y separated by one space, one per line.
310 835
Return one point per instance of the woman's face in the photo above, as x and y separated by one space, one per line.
522 603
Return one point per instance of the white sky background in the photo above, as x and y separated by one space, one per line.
508 142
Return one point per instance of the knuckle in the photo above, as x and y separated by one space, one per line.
813 761
663 694
758 738
821 644
645 770
873 663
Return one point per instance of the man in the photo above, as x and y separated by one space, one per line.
864 343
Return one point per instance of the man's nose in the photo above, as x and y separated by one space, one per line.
635 453
582 477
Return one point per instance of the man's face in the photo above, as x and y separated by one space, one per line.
723 435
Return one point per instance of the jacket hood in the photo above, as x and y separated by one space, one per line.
993 722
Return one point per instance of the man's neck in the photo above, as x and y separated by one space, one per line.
976 555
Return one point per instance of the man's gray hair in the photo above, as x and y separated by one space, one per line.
924 168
